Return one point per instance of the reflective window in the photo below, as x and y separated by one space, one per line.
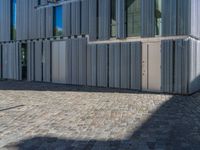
158 17
133 17
58 25
13 19
113 18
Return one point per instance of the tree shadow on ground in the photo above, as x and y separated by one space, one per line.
173 126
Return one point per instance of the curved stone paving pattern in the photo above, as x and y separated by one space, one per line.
50 116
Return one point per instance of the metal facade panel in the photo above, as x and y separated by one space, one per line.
82 61
125 66
62 62
55 62
69 61
38 60
92 65
147 17
30 61
104 20
167 62
93 19
75 61
49 22
121 18
136 65
169 9
75 18
0 61
66 16
46 61
102 65
85 17
114 65
5 21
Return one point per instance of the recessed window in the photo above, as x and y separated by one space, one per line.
158 17
133 17
113 18
58 24
13 19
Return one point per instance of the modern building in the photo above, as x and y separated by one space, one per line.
146 45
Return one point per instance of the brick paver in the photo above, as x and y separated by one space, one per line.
49 116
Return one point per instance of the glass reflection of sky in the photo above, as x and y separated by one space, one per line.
58 16
14 13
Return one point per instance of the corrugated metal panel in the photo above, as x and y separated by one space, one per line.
195 18
183 17
46 61
114 65
66 19
30 61
93 19
121 18
5 21
75 61
38 60
76 18
82 60
104 20
102 65
169 17
125 66
147 17
85 17
136 65
49 22
92 65
167 63
194 66
69 61
181 67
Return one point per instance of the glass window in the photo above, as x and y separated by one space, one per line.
13 19
133 16
58 25
113 18
158 17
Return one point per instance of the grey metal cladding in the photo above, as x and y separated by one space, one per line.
41 23
5 21
104 20
46 61
82 57
195 18
114 65
136 65
194 69
30 61
93 19
49 22
92 65
66 19
167 61
147 17
102 65
75 61
125 66
121 18
75 18
85 17
0 61
181 66
38 60
183 17
69 61
169 9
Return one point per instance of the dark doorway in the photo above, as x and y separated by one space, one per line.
24 60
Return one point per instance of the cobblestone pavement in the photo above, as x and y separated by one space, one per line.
37 116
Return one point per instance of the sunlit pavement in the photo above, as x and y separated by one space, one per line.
50 116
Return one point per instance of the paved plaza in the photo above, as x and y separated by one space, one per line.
42 116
